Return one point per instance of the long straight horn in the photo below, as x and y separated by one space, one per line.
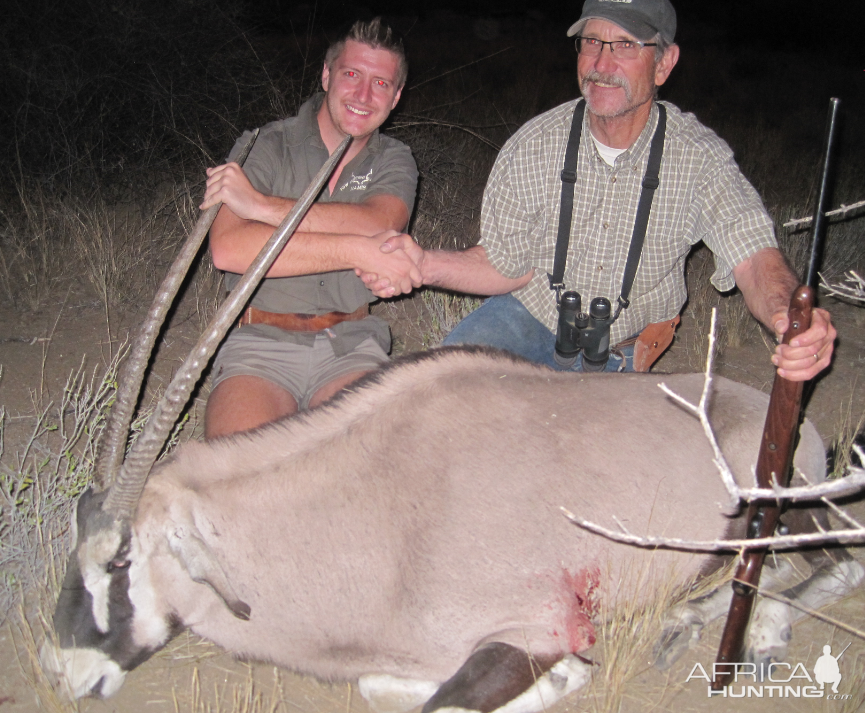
112 447
124 495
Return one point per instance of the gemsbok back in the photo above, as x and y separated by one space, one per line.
409 533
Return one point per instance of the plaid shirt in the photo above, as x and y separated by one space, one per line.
702 196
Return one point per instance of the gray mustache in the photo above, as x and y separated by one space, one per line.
596 76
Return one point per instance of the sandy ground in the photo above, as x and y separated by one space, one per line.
39 349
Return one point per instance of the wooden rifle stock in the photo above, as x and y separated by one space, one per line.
773 466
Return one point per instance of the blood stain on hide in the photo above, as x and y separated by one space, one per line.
578 596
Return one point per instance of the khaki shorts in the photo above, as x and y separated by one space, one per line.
296 368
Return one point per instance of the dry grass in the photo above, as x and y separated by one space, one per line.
31 254
702 298
28 633
239 697
42 478
424 319
120 248
854 686
631 628
852 427
446 310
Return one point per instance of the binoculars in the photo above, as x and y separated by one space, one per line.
589 333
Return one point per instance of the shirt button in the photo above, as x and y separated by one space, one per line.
600 268
321 283
606 225
613 179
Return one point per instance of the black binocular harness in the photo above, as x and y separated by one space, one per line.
647 194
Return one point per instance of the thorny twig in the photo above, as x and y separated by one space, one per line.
852 482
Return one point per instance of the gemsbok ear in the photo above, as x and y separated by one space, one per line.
197 559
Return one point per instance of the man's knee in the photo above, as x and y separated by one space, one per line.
241 403
334 387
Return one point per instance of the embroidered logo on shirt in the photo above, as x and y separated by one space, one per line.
358 183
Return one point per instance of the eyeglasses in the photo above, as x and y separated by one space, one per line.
622 49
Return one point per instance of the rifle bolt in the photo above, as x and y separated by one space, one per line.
743 590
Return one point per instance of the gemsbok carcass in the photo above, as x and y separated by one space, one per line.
408 533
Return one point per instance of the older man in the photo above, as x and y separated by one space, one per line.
625 52
308 332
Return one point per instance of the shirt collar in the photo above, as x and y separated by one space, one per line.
635 153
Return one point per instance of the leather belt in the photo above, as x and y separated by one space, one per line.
293 322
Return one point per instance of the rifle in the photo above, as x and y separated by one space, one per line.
779 434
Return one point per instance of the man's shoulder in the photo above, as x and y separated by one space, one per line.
294 130
271 139
551 127
553 121
686 132
282 132
392 146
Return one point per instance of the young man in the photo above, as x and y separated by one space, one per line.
308 332
625 51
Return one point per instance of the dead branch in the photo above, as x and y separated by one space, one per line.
854 291
838 212
831 489
777 543
701 411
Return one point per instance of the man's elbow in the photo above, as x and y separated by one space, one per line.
222 257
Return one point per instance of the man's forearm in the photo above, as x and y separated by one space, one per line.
234 244
377 214
767 283
468 271
306 253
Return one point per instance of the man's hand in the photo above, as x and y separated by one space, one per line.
228 183
393 242
767 281
809 353
467 271
393 266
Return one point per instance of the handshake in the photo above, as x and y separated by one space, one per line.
391 265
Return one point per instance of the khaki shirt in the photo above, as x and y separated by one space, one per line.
285 158
702 196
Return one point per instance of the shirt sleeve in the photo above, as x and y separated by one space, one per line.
506 224
734 223
264 161
396 175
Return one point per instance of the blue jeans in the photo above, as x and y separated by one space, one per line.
503 322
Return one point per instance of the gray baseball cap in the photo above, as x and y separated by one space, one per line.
642 18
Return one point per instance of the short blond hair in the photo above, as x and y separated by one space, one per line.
375 34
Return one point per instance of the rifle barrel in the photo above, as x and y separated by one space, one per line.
818 222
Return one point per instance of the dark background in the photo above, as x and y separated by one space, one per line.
110 99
